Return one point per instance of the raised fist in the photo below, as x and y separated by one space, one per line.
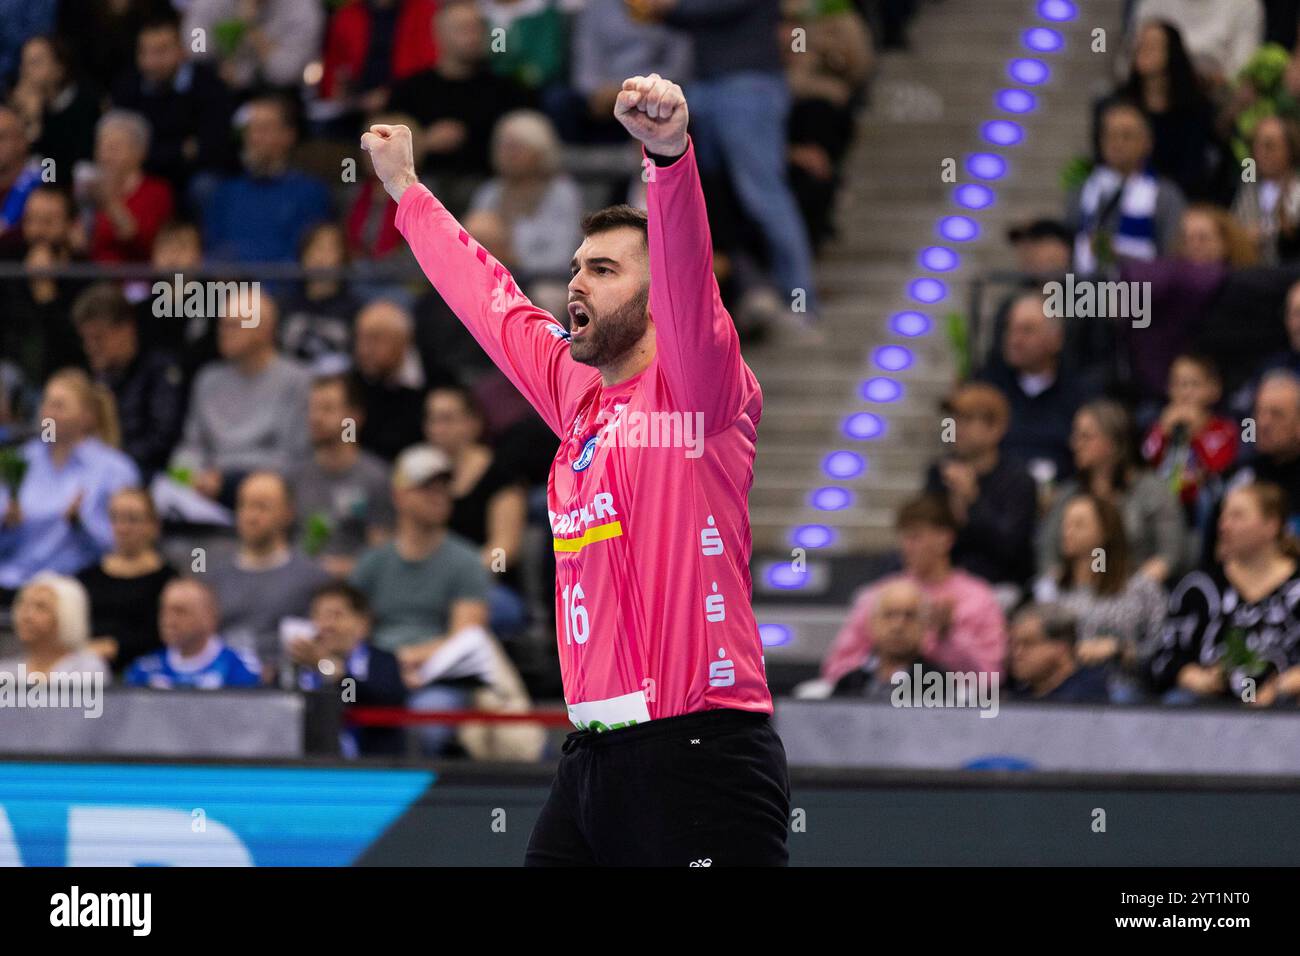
654 111
393 156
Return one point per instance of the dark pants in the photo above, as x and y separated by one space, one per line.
702 789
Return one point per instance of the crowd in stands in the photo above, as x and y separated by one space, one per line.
1143 462
319 474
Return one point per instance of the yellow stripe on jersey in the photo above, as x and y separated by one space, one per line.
600 532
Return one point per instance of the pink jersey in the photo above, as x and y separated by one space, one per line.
648 492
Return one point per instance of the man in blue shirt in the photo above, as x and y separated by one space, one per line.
195 655
262 215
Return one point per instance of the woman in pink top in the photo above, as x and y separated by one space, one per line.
656 412
967 629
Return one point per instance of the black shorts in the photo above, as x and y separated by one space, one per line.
703 789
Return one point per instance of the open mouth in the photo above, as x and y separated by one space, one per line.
579 318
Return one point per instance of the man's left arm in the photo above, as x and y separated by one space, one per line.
695 339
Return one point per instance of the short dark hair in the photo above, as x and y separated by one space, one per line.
1208 367
161 20
927 509
103 300
617 217
351 387
286 105
1058 622
356 598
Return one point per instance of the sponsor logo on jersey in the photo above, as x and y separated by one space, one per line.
559 331
611 714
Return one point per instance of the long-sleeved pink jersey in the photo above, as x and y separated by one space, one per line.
648 494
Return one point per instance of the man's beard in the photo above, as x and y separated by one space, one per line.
612 336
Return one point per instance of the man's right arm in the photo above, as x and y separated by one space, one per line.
529 346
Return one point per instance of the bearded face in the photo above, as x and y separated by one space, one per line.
608 296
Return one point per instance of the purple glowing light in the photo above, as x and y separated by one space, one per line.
831 498
786 577
958 228
864 425
927 290
1028 71
882 390
1016 101
973 196
775 635
893 358
844 464
910 324
1057 10
938 259
986 165
1003 132
1043 40
812 536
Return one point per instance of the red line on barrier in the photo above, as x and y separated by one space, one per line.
401 717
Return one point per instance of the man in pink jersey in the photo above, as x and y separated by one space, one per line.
675 761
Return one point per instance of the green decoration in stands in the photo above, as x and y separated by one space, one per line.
13 468
318 530
958 332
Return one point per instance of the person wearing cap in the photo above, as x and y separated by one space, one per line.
992 496
425 586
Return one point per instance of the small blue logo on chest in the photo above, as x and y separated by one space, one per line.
588 453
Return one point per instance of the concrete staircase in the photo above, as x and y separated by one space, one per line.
928 103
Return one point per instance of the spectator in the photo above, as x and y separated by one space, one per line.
186 104
965 628
1106 465
58 521
37 332
740 105
371 44
427 586
19 174
992 497
441 338
341 649
60 111
1183 290
126 584
1164 85
343 491
1123 211
826 77
489 505
266 43
533 43
607 45
1233 630
1042 248
1044 666
1190 446
898 629
1043 392
1268 206
458 103
129 205
1243 399
538 201
19 21
1118 613
246 411
268 580
1220 34
195 656
391 379
1275 458
146 383
101 34
263 215
52 622
317 326
177 249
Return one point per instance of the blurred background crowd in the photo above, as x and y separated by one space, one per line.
347 487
